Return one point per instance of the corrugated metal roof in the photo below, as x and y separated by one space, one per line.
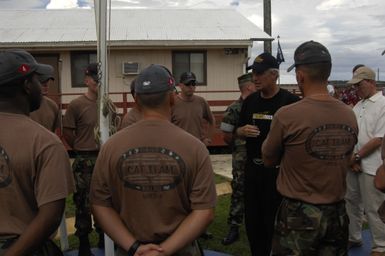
127 25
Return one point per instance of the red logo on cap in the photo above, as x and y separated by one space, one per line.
24 68
170 81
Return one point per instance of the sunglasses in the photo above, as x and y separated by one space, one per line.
191 83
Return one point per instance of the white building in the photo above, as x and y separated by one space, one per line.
215 44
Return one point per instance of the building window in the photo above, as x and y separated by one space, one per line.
193 61
79 62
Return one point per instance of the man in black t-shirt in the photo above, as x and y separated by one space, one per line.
261 196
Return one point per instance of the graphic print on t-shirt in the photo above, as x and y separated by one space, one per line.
331 142
151 169
5 170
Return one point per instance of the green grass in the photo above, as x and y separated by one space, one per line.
221 179
218 228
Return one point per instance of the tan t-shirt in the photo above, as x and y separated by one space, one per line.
153 174
189 115
82 116
34 170
130 118
315 139
48 115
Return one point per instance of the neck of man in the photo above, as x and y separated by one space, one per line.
269 92
374 91
15 106
91 95
156 114
186 97
245 94
316 90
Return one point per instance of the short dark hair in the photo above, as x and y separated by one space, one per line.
317 72
152 100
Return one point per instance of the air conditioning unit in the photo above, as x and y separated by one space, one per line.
130 68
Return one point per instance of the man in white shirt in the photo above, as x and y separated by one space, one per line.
361 193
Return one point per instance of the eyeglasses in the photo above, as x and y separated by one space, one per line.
359 84
191 83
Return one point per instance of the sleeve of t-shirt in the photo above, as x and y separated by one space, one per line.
57 123
228 122
243 114
69 119
100 193
208 115
203 193
54 179
273 145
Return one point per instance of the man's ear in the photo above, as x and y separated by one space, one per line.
27 86
299 75
137 102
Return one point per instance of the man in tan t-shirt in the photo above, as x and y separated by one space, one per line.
79 123
152 190
133 115
48 115
190 110
35 174
312 140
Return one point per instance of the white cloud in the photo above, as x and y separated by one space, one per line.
353 30
60 4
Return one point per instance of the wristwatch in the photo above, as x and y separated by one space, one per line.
357 157
134 247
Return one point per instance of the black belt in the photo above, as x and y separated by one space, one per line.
317 205
87 153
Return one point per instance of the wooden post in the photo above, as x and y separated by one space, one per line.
267 24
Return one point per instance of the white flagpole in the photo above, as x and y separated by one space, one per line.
101 30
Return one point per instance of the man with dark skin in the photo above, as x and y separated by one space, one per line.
31 209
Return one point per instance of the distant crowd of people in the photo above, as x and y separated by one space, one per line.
306 171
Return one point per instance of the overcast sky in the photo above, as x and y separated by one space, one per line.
352 30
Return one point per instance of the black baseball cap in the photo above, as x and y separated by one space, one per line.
263 62
187 77
16 64
46 73
92 71
310 52
154 79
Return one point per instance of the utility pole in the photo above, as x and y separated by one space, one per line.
267 24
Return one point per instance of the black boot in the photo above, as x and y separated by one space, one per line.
101 241
84 246
232 236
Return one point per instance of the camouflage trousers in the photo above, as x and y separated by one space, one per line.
307 229
192 249
49 248
237 185
83 167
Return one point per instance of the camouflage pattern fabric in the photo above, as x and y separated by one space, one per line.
237 184
82 167
239 155
192 249
306 229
